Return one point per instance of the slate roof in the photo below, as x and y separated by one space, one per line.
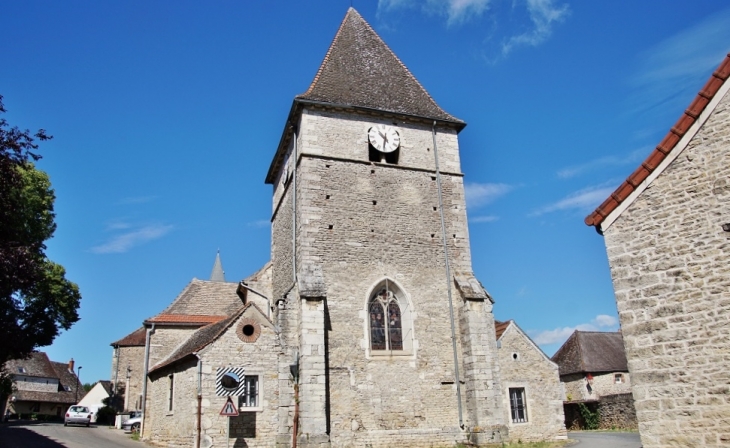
137 338
592 352
217 274
37 365
360 70
67 378
667 145
201 298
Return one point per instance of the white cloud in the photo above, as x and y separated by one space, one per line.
543 14
584 199
259 223
603 162
480 219
123 242
676 68
481 194
560 335
455 11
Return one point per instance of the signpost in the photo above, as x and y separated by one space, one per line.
229 410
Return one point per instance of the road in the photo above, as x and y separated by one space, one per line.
27 434
608 439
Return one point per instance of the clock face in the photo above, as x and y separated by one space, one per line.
384 138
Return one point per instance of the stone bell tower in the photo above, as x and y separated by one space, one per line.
387 335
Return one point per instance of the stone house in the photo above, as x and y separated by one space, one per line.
128 370
532 394
367 327
666 230
592 365
42 386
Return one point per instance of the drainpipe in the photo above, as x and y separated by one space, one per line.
150 332
448 278
294 209
200 400
243 284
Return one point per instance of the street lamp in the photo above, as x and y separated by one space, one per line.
78 383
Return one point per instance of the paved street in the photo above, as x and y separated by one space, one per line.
55 435
597 439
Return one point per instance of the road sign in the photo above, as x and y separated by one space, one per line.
229 409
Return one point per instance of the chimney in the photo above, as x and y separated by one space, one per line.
71 365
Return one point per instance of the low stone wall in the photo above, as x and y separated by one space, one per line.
616 412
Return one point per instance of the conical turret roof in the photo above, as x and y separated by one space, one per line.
217 275
361 70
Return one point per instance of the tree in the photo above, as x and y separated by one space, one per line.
36 299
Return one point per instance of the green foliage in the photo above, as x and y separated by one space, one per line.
36 299
87 386
592 419
106 416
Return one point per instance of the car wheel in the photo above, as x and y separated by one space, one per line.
135 428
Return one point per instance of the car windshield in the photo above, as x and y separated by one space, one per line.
79 409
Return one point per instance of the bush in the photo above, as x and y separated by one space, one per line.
106 416
591 419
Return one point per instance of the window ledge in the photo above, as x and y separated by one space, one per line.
387 354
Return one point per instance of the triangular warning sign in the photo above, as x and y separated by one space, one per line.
229 409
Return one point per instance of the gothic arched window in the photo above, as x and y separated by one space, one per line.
386 320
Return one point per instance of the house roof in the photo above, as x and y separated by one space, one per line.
68 398
137 338
665 148
205 336
592 352
201 298
67 378
200 339
184 319
37 365
500 327
361 72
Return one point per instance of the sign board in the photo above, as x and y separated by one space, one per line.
229 409
229 382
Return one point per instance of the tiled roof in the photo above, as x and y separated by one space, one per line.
67 398
185 319
137 338
360 70
500 327
67 378
206 298
200 339
37 365
592 352
686 120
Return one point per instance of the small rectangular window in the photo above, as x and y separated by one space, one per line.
618 378
518 404
250 397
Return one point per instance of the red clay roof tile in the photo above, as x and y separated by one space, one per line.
668 144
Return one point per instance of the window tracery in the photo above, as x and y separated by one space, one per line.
386 321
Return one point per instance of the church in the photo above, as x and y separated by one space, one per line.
367 328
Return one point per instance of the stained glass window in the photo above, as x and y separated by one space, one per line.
386 328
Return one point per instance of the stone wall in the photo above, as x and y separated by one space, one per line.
670 267
361 224
523 365
577 386
617 412
23 382
132 357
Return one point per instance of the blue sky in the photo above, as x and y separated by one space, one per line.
166 116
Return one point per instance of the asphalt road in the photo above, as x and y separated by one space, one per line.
54 435
608 439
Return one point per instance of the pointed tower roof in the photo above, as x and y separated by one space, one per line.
360 70
217 275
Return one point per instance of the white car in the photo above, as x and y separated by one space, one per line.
80 415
